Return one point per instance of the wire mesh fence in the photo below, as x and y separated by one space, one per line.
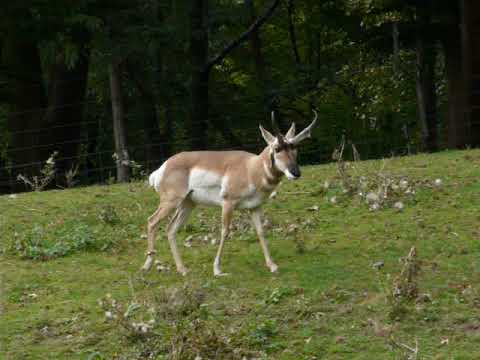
94 162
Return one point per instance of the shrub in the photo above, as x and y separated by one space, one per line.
43 243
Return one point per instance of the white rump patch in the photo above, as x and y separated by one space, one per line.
155 178
205 186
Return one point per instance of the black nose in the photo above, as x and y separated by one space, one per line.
295 171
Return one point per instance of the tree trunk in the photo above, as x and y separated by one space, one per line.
198 119
66 101
151 130
122 159
396 47
309 36
291 30
470 25
256 47
26 94
456 125
425 84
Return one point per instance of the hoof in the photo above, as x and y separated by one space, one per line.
273 268
220 274
182 271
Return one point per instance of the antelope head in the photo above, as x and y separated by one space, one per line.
283 148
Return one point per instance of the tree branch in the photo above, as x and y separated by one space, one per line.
238 41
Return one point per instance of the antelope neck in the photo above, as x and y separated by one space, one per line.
271 174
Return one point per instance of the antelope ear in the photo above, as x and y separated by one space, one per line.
291 132
267 136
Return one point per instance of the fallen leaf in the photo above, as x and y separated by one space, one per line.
340 339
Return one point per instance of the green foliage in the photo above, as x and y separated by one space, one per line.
263 333
44 243
344 70
108 214
329 301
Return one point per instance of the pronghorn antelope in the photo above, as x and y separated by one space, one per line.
230 179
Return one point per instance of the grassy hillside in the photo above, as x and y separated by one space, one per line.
71 286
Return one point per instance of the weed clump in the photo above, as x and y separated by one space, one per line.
46 176
405 286
378 189
175 324
108 215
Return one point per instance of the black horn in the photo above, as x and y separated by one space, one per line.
275 127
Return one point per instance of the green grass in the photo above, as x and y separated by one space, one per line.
64 251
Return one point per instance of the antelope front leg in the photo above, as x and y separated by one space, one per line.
227 210
256 215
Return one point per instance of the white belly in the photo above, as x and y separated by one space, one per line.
209 188
252 201
205 187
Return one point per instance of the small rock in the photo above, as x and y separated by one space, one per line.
378 265
403 184
313 208
292 228
398 205
144 329
424 298
162 268
188 241
267 223
374 207
108 315
372 197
